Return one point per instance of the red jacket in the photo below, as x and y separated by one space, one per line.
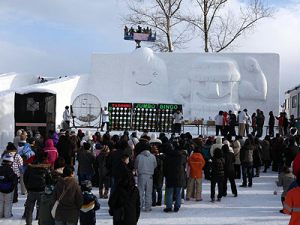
291 205
196 162
296 165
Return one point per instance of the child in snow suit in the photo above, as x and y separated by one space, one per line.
90 204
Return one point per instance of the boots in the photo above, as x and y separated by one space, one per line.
105 194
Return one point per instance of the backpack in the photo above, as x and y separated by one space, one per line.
8 179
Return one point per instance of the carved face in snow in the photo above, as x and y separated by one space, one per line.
142 80
147 75
215 80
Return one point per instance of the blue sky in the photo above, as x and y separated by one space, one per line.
54 37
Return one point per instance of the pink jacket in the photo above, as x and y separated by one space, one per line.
51 150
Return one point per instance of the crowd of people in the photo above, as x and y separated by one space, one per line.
130 170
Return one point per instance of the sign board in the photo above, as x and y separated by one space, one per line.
142 116
165 116
120 115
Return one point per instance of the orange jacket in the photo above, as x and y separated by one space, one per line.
196 162
292 205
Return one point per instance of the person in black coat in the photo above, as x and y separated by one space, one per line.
218 172
115 164
65 148
158 176
175 175
271 124
36 177
229 171
124 203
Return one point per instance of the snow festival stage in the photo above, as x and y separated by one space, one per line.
253 206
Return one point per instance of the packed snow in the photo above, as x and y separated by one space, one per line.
253 206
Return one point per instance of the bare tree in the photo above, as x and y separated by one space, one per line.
220 29
164 16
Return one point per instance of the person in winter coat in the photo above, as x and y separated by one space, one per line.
8 182
124 203
266 157
271 124
232 123
174 176
104 178
291 151
65 148
28 156
260 120
292 203
257 157
219 122
196 163
89 206
115 161
247 163
158 176
17 165
229 170
85 159
285 179
218 144
69 206
236 146
277 153
51 151
46 204
145 164
218 172
35 179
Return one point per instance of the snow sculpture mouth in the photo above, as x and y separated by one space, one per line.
141 84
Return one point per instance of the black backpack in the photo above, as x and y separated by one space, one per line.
8 179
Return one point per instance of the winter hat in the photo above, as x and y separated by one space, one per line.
98 146
8 157
154 139
10 146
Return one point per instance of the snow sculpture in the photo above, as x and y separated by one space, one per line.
216 83
254 86
146 77
213 84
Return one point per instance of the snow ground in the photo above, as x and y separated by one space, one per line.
253 206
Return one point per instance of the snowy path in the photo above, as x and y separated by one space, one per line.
253 206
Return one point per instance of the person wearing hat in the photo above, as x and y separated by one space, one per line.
89 206
8 182
16 165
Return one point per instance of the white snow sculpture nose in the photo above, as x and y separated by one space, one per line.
212 90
